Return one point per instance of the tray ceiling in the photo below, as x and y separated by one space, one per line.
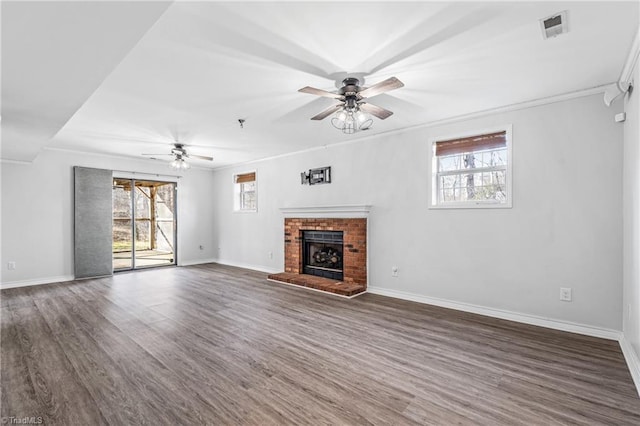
126 78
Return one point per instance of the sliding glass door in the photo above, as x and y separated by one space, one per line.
144 224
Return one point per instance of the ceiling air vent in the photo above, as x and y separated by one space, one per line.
554 25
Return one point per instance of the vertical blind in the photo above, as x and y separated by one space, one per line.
472 143
92 222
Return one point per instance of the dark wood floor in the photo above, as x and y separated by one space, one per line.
220 345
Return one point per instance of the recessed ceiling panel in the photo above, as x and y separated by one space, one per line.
204 65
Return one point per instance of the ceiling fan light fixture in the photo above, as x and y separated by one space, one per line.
365 120
338 122
351 120
180 164
350 124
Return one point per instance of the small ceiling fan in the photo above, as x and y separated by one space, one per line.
179 154
353 109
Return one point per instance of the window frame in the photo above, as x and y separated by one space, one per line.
237 193
434 203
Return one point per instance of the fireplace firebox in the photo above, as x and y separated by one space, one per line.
322 253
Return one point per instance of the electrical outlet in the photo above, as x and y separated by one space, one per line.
565 294
394 271
11 265
270 255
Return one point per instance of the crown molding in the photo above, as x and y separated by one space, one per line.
632 59
118 157
10 161
497 110
515 107
502 109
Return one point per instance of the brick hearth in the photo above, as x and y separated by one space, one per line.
318 283
354 254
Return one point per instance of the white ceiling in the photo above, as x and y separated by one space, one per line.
126 78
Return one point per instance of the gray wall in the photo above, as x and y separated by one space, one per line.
564 230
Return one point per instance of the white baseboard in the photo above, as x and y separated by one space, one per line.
63 278
260 268
39 281
633 362
498 313
196 262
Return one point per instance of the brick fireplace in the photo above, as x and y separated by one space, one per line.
352 259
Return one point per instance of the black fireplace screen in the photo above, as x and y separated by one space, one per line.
322 253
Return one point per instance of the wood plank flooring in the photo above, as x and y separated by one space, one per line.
218 345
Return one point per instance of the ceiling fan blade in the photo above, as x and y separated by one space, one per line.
202 157
376 111
320 92
327 112
384 86
156 154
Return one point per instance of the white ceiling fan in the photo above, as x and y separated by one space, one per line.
180 155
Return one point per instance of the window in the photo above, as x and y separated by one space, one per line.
472 171
245 199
